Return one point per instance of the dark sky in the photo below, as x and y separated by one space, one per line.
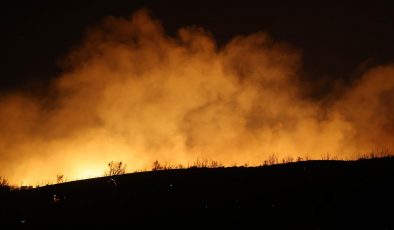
336 39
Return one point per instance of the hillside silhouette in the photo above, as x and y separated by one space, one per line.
310 194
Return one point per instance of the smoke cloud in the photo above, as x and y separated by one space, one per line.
132 93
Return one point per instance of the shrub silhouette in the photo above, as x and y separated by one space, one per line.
288 159
60 178
115 168
4 185
206 163
156 166
271 160
199 163
3 182
383 153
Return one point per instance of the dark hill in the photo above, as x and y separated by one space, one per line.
311 195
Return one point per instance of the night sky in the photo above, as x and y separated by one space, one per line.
337 40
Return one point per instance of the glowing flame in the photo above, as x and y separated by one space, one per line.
131 93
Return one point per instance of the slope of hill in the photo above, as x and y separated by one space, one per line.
311 195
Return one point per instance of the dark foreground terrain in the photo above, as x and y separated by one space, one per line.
307 195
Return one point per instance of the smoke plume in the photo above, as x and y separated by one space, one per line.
132 93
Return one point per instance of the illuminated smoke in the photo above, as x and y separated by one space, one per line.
132 93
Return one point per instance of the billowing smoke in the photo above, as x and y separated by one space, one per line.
132 93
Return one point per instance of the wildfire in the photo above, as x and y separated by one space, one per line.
132 93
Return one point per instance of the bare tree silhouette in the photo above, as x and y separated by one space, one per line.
115 168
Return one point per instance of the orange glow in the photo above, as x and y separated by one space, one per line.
131 93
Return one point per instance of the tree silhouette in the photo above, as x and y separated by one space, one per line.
115 168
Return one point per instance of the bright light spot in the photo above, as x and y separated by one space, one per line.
84 173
